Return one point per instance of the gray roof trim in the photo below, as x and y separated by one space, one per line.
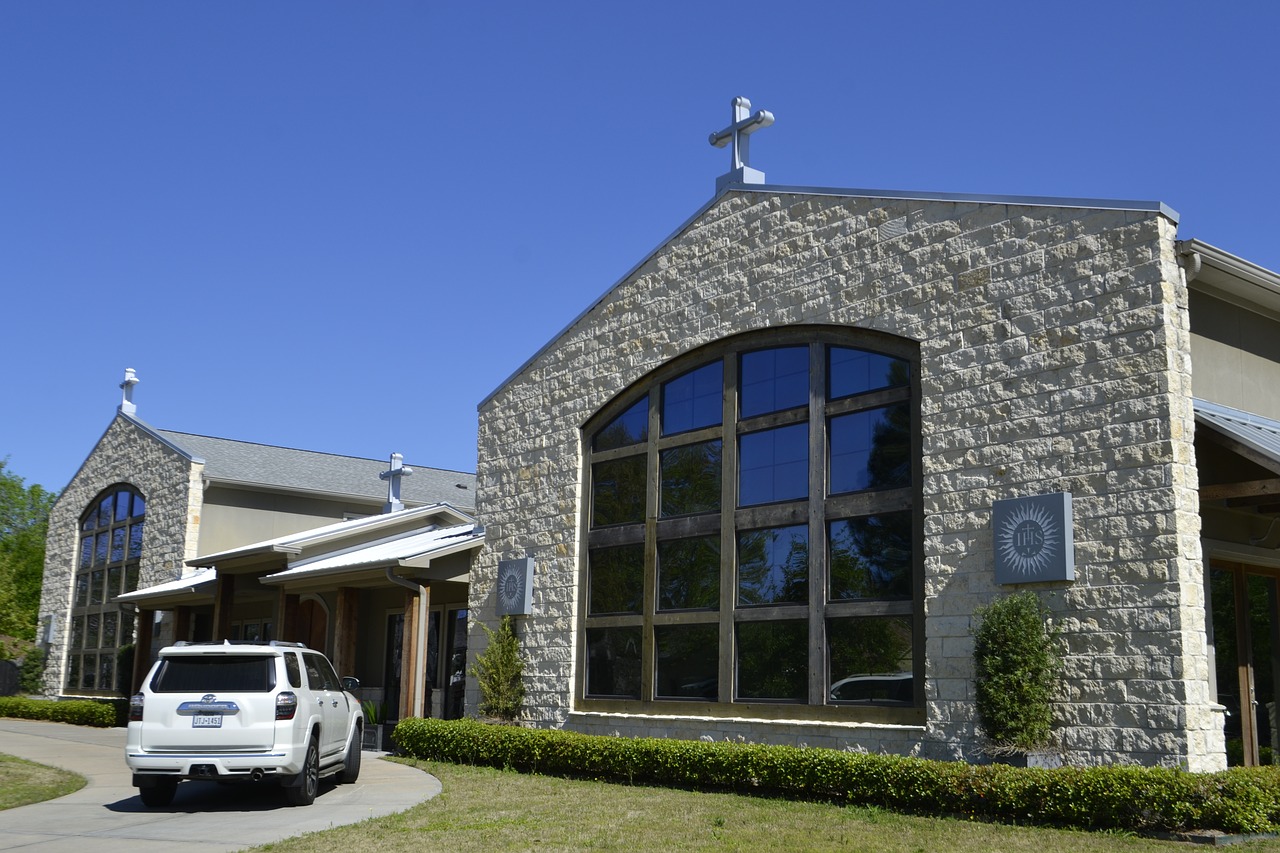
1026 201
1231 278
1262 435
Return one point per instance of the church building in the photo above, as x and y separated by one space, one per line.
762 485
164 536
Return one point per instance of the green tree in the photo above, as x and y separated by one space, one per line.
24 520
1017 664
498 672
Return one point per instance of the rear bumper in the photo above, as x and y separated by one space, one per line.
245 766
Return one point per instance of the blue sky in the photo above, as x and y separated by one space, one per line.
339 226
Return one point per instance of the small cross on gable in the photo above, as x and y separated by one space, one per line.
739 132
393 475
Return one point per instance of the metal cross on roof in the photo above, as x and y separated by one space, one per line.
393 475
739 133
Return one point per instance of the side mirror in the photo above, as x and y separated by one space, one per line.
350 683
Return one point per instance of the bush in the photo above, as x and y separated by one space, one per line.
1145 799
31 676
498 672
1017 665
77 712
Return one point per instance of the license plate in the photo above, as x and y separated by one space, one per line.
206 721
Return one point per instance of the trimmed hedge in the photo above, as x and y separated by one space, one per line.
78 712
1146 799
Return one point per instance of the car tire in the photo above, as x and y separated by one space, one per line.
303 792
160 794
350 771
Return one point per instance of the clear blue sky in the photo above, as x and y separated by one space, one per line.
340 225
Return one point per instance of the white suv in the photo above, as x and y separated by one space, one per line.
229 712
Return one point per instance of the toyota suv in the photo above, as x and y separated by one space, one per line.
238 712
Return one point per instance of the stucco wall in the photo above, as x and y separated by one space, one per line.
168 481
1054 356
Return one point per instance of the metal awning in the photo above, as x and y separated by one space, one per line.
1252 436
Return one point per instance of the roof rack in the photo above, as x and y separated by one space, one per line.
282 643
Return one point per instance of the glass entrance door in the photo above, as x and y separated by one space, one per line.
1246 638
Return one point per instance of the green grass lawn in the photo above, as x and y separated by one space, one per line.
22 782
491 810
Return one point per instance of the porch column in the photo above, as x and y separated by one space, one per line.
287 616
181 623
144 623
413 656
223 597
346 630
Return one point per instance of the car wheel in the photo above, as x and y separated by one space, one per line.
350 771
304 792
160 794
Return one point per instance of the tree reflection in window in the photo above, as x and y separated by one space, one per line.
773 566
871 556
689 573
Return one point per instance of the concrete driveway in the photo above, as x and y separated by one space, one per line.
106 815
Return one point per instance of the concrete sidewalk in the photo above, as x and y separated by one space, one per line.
106 815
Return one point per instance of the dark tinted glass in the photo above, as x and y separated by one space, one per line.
773 566
689 573
688 662
871 556
691 478
616 579
246 673
122 506
630 427
693 400
871 660
95 586
105 509
773 660
617 491
86 552
774 379
871 449
613 662
856 371
117 544
135 539
773 465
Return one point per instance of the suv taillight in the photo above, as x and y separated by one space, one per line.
286 706
135 708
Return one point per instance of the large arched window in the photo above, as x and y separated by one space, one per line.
110 550
753 532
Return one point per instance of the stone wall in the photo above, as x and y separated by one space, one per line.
1054 356
170 483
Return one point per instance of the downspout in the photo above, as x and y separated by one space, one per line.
419 637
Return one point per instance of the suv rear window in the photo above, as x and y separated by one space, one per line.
212 674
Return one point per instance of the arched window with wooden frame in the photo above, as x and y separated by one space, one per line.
106 566
752 536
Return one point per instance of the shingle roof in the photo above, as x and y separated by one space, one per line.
265 465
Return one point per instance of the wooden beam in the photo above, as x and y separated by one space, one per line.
345 630
1246 489
223 601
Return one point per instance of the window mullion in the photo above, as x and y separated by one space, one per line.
649 604
728 535
817 525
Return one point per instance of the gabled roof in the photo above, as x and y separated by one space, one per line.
296 543
771 189
414 550
1254 432
189 588
249 465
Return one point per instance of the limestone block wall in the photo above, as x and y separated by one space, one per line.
1054 356
171 485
